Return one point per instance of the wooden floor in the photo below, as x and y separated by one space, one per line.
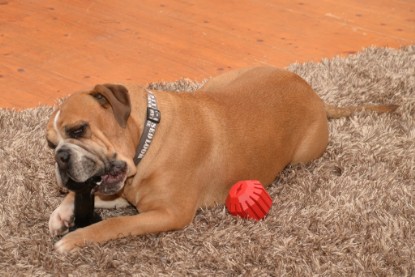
51 48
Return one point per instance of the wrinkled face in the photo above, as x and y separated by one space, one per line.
90 139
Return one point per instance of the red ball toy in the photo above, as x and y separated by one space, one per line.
248 199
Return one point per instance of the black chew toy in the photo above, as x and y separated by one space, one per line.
84 202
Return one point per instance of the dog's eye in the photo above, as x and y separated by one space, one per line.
100 98
77 132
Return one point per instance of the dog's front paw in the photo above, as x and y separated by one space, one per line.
71 241
61 219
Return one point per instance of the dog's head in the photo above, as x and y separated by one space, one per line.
90 136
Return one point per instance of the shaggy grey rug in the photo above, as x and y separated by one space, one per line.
351 212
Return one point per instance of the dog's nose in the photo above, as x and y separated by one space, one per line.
63 156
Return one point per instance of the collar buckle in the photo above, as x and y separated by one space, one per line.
153 115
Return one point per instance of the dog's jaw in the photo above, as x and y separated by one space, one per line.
113 179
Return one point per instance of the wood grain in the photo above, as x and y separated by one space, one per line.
51 48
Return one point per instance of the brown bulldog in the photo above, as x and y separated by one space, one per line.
169 153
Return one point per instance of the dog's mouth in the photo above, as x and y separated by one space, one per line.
107 181
110 183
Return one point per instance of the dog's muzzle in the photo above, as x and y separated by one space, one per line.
78 165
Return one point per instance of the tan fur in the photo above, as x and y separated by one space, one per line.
231 129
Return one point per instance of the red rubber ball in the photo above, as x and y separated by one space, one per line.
248 199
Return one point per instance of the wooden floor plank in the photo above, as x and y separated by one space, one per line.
53 47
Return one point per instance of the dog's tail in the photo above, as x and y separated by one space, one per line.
337 112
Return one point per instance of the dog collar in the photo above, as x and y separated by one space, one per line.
153 118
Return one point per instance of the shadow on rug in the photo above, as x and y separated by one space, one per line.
350 212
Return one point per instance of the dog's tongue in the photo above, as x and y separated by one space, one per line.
109 179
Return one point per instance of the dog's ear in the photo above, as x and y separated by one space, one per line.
117 97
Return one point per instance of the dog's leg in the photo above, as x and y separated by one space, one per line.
314 142
155 221
62 217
